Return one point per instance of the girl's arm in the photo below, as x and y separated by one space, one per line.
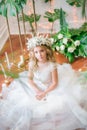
54 81
31 82
51 87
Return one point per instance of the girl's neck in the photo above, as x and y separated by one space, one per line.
42 63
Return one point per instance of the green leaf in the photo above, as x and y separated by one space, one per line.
63 23
77 3
84 39
47 1
52 16
4 11
70 57
84 8
10 74
12 11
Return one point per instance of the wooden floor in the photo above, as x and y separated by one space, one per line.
78 64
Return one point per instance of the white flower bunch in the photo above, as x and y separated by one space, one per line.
64 43
60 36
77 43
38 41
71 49
65 40
62 47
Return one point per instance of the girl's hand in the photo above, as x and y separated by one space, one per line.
41 95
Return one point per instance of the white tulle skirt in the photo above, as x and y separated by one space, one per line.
65 108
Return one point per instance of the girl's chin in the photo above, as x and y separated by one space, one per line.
41 60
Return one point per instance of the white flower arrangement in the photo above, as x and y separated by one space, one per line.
66 45
38 41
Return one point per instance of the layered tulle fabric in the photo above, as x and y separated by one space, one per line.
65 108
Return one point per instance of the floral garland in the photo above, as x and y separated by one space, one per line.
38 41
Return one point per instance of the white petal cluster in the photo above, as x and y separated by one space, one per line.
62 47
71 49
77 43
65 40
60 36
57 48
38 41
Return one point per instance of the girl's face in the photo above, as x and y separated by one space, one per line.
40 53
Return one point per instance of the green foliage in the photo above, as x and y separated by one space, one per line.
30 18
11 7
70 47
10 74
46 1
70 42
53 16
3 8
77 3
63 23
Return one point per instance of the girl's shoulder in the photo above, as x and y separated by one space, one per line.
53 65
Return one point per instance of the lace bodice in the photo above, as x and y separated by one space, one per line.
44 74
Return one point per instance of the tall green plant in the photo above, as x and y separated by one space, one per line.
11 7
63 24
52 16
30 19
84 8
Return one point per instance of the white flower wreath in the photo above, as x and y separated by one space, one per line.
38 41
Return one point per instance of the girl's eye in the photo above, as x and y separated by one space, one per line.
42 50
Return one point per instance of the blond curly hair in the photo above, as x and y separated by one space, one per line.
33 60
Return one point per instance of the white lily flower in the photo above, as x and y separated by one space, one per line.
51 40
77 43
60 36
62 47
57 48
71 49
65 40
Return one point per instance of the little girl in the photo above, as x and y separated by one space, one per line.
47 97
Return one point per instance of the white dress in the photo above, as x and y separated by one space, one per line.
65 108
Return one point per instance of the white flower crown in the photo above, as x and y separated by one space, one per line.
38 41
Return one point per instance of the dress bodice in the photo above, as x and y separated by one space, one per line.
44 74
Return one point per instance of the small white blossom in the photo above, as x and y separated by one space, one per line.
62 47
77 43
57 48
65 40
60 36
51 40
71 49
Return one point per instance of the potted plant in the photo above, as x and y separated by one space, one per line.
68 45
